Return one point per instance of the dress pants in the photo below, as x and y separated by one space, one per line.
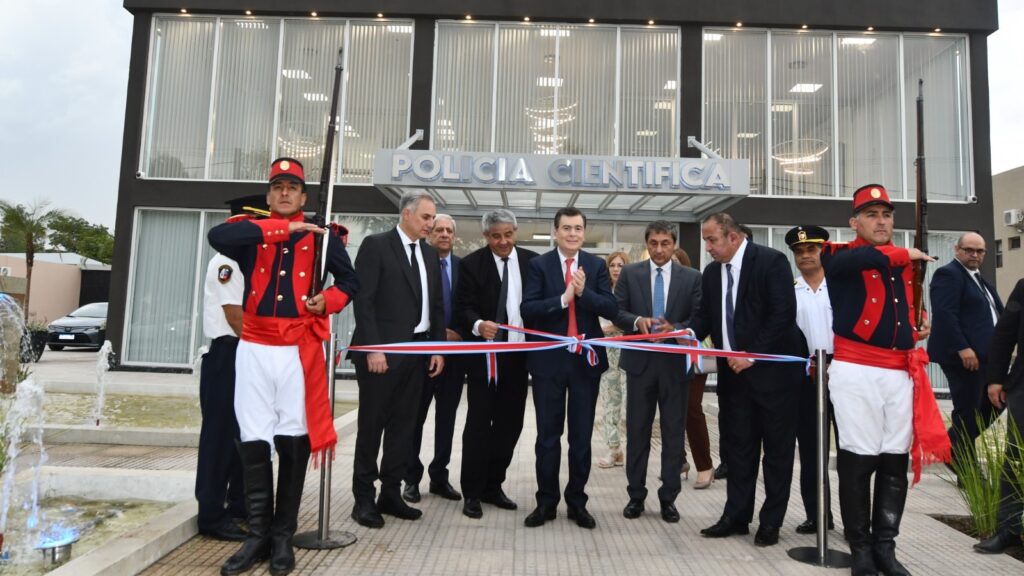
494 422
388 404
759 409
446 391
219 467
549 400
697 425
969 393
807 443
1011 504
662 385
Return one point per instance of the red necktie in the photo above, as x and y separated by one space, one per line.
572 303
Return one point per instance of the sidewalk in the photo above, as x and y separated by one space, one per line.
445 543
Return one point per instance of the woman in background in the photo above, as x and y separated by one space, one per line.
612 382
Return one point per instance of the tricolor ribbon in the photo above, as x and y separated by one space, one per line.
575 345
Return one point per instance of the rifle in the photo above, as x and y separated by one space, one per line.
921 228
325 196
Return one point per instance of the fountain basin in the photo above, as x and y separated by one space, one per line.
56 553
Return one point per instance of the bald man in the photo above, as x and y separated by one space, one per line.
965 308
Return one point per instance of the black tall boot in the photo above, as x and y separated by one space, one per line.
890 497
258 479
293 456
855 506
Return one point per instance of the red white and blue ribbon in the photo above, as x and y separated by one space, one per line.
575 345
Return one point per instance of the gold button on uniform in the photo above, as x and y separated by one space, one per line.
280 297
873 300
284 250
264 246
262 270
283 273
302 274
304 297
305 247
865 322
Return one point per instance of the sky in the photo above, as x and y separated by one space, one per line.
65 74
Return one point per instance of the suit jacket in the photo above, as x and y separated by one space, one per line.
477 296
1009 332
961 315
542 306
456 264
387 308
764 320
633 292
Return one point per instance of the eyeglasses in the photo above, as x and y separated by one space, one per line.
972 251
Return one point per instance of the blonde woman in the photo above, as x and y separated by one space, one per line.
612 382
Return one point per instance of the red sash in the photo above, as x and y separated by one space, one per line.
308 332
931 442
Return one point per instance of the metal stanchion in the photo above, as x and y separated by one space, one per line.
323 538
820 555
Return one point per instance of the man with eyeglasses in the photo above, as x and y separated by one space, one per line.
965 308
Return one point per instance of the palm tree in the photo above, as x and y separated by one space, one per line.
28 224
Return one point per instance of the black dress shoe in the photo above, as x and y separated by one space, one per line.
366 514
446 491
228 530
811 527
582 517
395 506
725 527
634 508
669 513
722 471
471 508
539 516
766 536
998 543
499 499
411 493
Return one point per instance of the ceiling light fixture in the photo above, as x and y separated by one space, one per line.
804 27
248 12
938 29
313 14
183 11
526 19
380 15
871 28
469 16
805 88
739 24
650 22
591 20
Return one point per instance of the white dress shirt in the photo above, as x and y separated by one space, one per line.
224 284
737 264
424 323
575 266
984 291
515 296
814 315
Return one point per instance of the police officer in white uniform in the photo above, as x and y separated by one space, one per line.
219 469
814 317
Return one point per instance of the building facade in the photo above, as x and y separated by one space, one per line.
815 98
1004 248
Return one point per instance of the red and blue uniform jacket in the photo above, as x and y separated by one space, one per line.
871 290
278 269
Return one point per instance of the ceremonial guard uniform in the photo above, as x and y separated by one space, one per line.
814 318
282 396
218 468
878 384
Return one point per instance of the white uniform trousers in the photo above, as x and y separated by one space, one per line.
874 408
270 392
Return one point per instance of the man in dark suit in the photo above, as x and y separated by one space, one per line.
748 305
401 302
490 292
655 295
567 290
1006 389
445 388
965 307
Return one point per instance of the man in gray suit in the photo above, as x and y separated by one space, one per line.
655 295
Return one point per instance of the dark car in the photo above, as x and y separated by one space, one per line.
83 328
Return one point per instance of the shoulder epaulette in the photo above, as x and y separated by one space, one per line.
241 217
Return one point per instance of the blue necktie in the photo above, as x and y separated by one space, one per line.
446 292
729 310
659 295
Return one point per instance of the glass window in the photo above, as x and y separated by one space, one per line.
210 219
377 95
736 80
243 122
1014 242
164 285
801 106
463 85
308 57
870 139
181 68
941 61
556 89
999 253
649 106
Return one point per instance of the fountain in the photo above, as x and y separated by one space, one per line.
103 361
